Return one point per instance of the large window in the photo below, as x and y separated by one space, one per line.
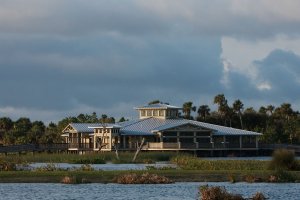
169 133
206 133
155 112
186 140
161 113
143 113
149 113
189 134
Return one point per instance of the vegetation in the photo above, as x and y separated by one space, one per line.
217 193
92 158
283 159
145 178
192 163
278 124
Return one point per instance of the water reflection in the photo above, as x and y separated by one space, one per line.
12 191
105 167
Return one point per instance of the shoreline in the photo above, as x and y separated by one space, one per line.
174 175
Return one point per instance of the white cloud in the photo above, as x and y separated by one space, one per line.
242 54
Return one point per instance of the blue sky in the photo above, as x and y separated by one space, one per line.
62 58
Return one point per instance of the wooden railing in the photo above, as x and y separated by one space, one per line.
80 146
195 145
296 148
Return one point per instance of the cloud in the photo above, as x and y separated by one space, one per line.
281 70
277 82
70 56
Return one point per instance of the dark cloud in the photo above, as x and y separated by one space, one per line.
57 56
103 72
282 70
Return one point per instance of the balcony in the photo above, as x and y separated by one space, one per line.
80 146
197 146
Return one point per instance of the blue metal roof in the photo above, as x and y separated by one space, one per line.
158 105
87 127
151 125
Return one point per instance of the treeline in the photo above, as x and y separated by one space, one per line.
278 124
23 131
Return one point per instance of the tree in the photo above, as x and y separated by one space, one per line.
270 109
5 124
36 132
223 107
262 110
187 109
238 106
203 112
52 135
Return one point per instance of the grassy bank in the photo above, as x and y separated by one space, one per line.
111 176
92 158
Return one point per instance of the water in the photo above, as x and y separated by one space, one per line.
177 191
106 167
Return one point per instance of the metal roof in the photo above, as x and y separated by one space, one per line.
158 105
151 125
84 127
106 126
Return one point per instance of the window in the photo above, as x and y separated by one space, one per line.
161 113
149 112
155 112
143 113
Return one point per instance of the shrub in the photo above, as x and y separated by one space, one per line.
282 176
89 161
283 159
220 193
231 178
86 167
7 166
217 193
48 167
252 179
144 178
74 180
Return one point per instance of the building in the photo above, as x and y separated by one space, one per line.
159 128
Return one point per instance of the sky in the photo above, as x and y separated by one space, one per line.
60 58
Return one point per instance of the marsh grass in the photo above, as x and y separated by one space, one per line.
192 163
90 158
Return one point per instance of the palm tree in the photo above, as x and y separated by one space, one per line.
187 109
238 106
223 108
203 111
270 109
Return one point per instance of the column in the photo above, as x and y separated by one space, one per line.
241 142
256 142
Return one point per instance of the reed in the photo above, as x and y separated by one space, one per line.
192 163
90 158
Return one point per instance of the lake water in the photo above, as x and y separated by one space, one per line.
177 191
106 167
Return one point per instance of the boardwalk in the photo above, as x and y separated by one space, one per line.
65 146
295 148
33 148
